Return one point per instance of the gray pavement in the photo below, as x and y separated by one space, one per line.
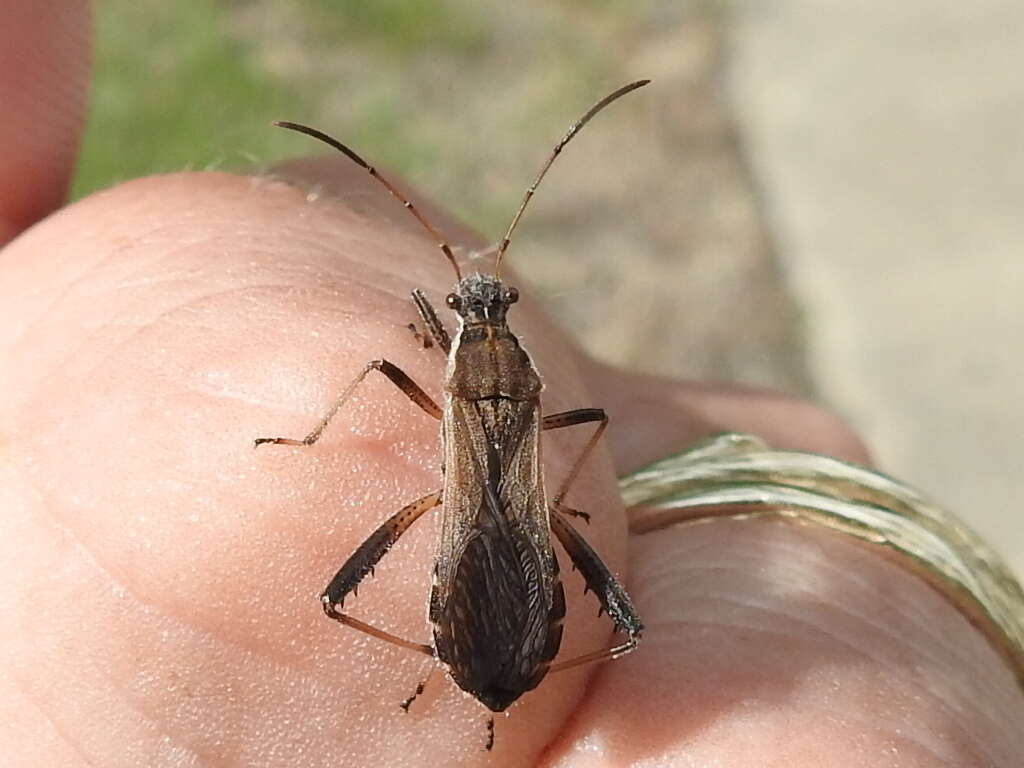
888 142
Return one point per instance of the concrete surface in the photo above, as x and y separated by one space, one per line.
888 141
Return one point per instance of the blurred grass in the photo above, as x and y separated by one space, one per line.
400 28
637 240
195 85
171 90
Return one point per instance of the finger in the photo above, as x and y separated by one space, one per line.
44 69
166 573
773 644
663 416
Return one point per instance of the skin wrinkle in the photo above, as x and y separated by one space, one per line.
180 619
342 265
888 731
809 708
277 667
33 323
104 574
934 752
61 733
136 700
283 285
788 554
951 711
341 274
791 619
121 584
355 267
324 245
358 277
880 628
135 705
956 709
103 363
879 662
165 315
908 609
845 718
543 754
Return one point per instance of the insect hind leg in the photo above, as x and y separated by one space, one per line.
420 687
362 563
609 592
362 626
595 656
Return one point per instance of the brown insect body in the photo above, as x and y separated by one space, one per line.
497 601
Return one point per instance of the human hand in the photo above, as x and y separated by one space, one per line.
160 606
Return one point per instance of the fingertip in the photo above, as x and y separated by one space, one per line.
44 61
344 180
170 320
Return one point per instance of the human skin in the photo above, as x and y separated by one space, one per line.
160 602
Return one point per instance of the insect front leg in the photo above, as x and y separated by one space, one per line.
610 593
431 322
424 339
362 562
397 376
571 419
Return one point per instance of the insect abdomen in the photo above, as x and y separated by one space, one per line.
501 625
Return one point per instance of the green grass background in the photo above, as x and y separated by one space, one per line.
640 236
455 95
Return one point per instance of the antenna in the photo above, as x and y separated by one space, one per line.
441 243
573 130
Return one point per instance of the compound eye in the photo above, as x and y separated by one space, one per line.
453 301
513 295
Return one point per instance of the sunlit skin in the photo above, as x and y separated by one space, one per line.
161 576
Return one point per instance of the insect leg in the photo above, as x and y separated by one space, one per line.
397 376
424 339
362 563
419 688
571 419
433 325
610 593
594 656
490 734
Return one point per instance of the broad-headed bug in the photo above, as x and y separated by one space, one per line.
497 603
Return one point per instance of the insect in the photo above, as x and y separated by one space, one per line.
497 601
